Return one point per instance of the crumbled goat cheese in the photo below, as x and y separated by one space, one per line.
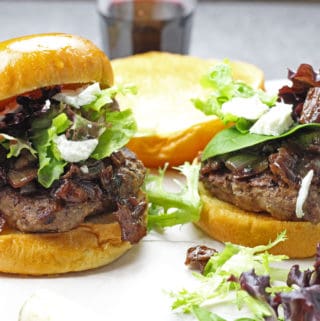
76 99
84 169
50 306
275 122
249 108
303 193
75 151
47 105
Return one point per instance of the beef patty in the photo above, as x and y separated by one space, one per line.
266 178
109 185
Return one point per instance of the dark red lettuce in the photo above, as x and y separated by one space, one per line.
302 304
302 80
255 285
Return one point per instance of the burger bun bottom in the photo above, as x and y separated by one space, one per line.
86 247
227 223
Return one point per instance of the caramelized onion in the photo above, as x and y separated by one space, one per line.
244 165
20 178
309 141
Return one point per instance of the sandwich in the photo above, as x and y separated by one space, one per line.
170 129
260 176
70 191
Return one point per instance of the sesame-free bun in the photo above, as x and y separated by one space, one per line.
85 247
36 61
171 129
227 223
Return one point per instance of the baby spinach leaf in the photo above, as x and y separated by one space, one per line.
230 140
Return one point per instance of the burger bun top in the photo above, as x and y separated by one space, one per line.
37 61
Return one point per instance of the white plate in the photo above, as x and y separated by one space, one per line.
132 288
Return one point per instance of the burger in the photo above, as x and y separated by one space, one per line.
260 177
70 191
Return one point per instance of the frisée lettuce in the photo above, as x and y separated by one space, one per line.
251 279
220 282
15 145
222 88
172 208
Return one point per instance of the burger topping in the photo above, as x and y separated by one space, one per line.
226 92
80 97
249 108
198 256
266 166
75 151
303 193
61 165
276 121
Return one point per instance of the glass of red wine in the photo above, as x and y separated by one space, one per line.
136 26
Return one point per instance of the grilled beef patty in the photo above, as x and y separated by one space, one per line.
109 185
266 178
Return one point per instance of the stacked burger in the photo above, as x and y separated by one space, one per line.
70 196
261 176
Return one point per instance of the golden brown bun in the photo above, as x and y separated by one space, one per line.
227 223
86 247
36 61
171 129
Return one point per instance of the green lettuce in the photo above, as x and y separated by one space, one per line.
122 127
216 286
222 88
106 97
15 145
203 314
168 208
231 139
51 166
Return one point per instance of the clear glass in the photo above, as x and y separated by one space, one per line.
136 26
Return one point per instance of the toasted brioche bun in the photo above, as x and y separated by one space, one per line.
227 223
85 247
171 129
36 61
26 64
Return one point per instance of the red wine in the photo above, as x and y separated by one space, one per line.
131 27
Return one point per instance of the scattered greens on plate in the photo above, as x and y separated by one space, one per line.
249 278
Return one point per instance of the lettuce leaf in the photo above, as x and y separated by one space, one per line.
231 139
83 128
15 145
235 258
222 88
51 166
106 96
167 208
203 314
122 127
216 285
